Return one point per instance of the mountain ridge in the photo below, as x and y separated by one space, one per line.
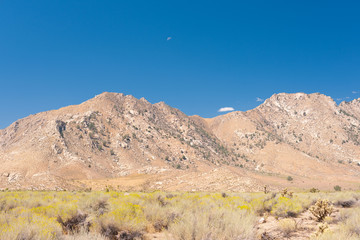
114 136
144 99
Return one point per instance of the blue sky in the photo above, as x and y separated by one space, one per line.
198 56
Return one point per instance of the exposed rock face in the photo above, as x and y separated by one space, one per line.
112 135
302 134
313 124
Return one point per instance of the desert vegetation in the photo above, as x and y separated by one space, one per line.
179 215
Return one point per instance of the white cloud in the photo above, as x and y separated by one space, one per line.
339 99
347 97
168 38
259 99
226 109
354 92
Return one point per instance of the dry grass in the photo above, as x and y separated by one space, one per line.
112 215
352 223
287 226
340 234
212 222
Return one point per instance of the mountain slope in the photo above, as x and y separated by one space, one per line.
307 136
112 136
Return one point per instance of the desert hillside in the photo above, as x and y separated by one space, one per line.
297 140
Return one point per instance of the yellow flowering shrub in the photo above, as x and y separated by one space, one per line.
26 214
287 207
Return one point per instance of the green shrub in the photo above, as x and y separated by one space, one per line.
314 190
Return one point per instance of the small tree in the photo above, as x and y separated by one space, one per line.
266 189
337 188
286 193
321 209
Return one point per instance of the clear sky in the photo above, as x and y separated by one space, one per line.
198 56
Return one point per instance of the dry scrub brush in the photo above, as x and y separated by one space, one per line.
119 215
210 222
287 226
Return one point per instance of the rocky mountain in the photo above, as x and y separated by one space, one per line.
113 140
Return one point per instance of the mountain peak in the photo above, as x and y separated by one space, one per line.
108 95
291 100
298 96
